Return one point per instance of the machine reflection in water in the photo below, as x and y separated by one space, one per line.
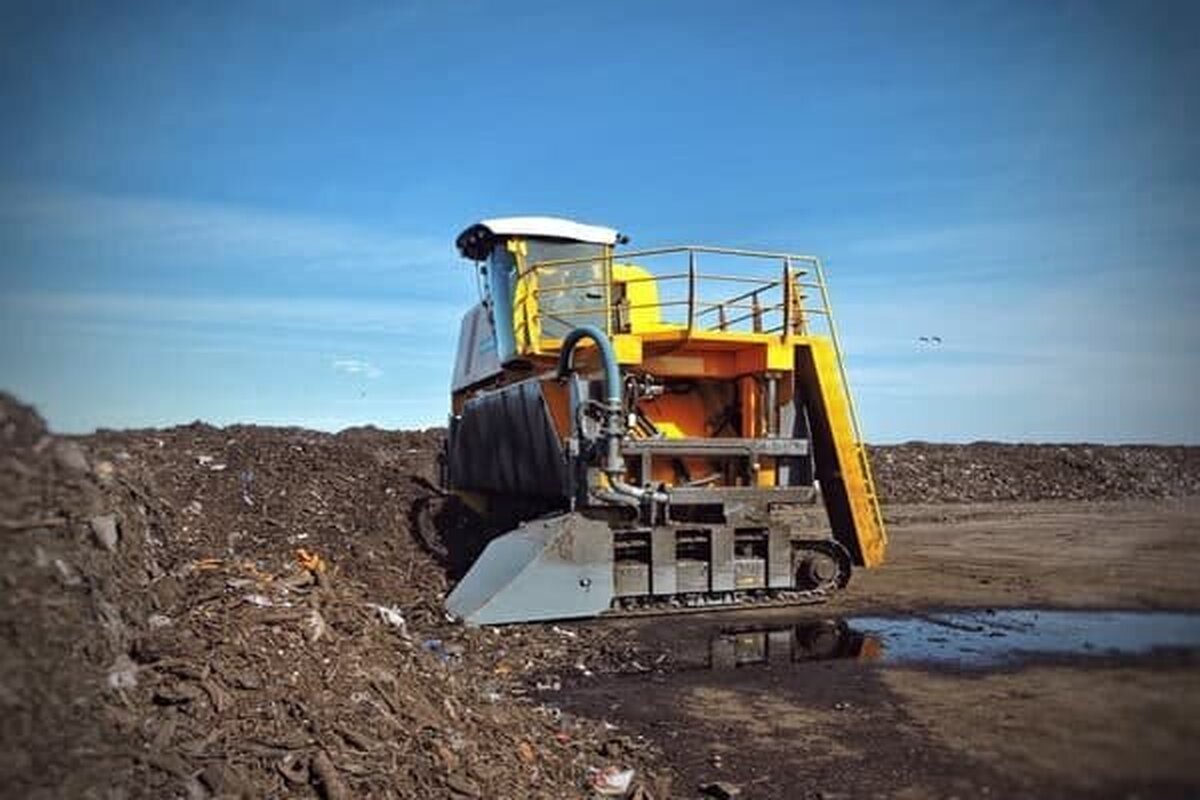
969 638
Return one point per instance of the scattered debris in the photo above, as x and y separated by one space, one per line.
123 673
393 616
104 528
720 790
444 651
462 786
70 457
67 573
225 657
610 781
104 471
317 628
225 664
157 621
310 561
327 778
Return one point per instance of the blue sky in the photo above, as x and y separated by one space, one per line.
246 212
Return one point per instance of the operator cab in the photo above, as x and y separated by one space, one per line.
571 293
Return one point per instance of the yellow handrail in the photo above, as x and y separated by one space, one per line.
775 295
860 443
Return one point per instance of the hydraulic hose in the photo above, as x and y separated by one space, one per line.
612 373
614 418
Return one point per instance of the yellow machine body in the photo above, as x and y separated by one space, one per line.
733 392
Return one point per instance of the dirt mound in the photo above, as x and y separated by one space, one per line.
985 471
246 611
20 425
242 612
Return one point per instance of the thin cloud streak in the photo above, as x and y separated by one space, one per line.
187 231
355 366
341 315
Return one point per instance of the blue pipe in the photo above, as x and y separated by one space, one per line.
614 424
612 373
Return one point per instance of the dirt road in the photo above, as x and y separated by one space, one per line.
1079 722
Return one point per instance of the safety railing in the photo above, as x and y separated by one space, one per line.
664 289
669 287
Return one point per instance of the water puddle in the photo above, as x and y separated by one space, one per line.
1012 635
988 638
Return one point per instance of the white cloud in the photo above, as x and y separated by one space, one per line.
355 366
183 231
404 317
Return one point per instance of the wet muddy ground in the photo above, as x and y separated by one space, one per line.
1020 651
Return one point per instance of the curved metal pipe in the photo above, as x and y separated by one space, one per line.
612 373
614 421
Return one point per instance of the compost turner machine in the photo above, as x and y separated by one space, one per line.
667 429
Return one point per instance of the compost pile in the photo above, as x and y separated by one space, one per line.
917 472
243 612
246 612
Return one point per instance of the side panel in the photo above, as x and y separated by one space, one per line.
477 359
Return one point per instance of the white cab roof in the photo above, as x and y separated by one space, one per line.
476 241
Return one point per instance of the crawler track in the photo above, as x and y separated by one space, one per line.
724 601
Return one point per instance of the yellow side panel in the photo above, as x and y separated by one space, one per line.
781 356
669 429
684 413
840 459
641 294
628 348
527 327
678 416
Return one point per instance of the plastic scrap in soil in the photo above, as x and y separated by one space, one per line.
123 673
105 530
445 652
610 781
310 561
393 616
